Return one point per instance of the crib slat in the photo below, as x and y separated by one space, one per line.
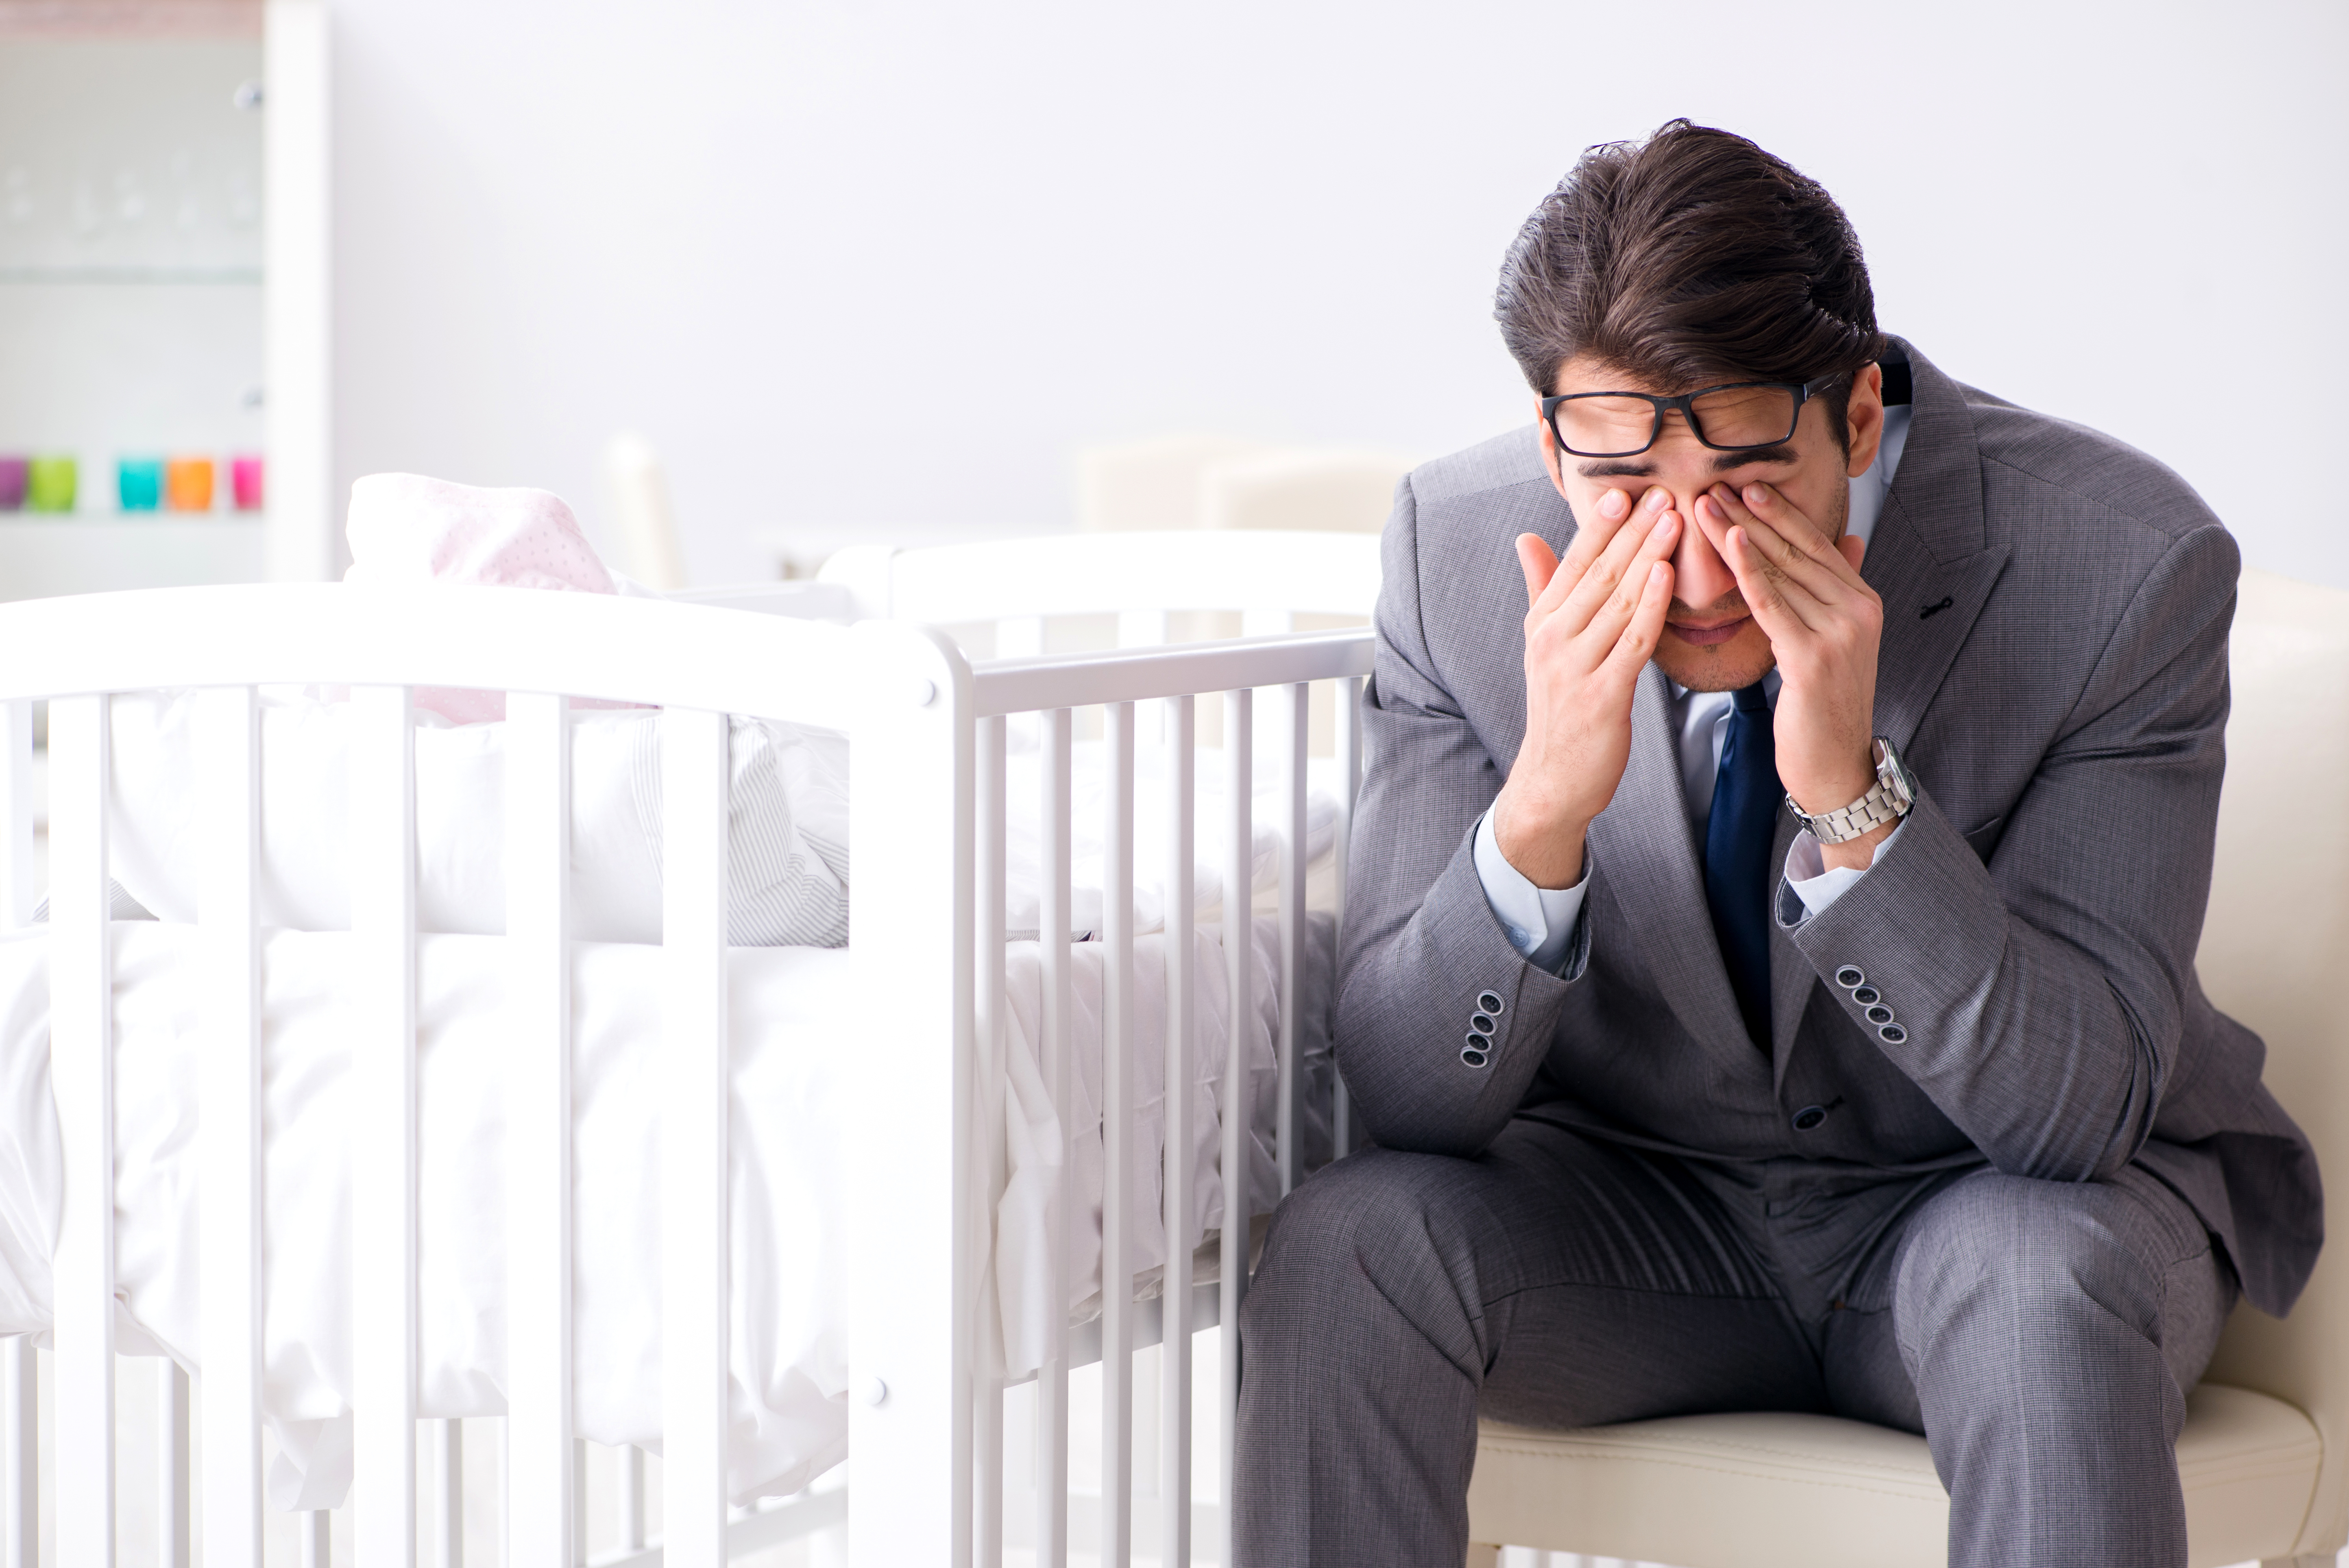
228 1123
16 813
20 1487
1237 1100
316 1539
694 1227
986 1174
1053 919
1349 784
383 1126
447 1545
1296 707
633 1515
1117 1159
20 1398
1175 1300
82 1081
172 1545
539 1475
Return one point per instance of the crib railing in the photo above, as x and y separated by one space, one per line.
1053 688
929 825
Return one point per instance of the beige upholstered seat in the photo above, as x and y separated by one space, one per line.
2265 1453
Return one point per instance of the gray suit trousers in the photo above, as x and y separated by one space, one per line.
2039 1334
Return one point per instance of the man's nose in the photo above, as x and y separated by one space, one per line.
1699 576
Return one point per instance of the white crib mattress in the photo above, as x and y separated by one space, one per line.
794 1053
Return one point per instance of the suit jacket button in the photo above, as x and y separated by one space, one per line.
1480 1022
1849 976
1809 1117
1489 1002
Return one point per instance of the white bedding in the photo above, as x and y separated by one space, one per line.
793 1050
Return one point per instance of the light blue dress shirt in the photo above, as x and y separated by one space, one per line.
1540 921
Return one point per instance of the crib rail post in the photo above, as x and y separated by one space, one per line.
1295 709
1349 784
694 1229
81 1044
1175 1299
914 1262
1116 1547
20 1547
1238 1096
987 1163
171 1466
1054 913
383 1126
540 1505
229 1125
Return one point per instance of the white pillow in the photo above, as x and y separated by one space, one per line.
788 887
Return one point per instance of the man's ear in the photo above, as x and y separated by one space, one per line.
1863 419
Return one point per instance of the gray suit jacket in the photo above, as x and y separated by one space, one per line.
2032 927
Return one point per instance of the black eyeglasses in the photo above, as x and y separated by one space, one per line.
1736 417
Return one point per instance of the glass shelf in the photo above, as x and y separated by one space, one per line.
246 276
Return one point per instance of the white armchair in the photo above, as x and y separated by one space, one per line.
2265 1453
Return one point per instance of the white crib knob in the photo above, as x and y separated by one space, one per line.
873 1390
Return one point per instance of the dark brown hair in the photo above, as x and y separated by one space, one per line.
1693 257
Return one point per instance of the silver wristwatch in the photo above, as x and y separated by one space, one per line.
1893 792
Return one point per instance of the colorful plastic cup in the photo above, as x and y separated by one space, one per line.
138 483
188 484
245 483
12 484
50 483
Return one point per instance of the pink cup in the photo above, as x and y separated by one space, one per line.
245 483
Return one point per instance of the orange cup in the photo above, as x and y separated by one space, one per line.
188 484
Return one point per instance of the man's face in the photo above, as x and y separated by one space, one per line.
1709 643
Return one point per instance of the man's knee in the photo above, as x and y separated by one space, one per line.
1379 1232
2003 1271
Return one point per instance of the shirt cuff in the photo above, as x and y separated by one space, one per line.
1539 921
1807 874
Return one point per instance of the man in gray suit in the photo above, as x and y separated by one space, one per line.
1900 1102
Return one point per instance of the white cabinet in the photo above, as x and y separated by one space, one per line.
163 295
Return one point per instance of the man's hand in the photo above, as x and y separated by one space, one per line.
1823 622
1593 621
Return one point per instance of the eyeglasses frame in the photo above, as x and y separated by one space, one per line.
1804 392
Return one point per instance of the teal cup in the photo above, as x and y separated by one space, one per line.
140 483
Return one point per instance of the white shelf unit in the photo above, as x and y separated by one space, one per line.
163 283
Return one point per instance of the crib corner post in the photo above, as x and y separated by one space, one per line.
914 1260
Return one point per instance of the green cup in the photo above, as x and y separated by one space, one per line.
140 481
49 484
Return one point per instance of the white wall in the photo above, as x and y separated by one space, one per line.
880 268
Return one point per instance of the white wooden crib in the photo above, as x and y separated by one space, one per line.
929 732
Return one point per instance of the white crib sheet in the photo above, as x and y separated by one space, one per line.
795 1068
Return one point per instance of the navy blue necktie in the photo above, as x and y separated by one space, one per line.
1745 796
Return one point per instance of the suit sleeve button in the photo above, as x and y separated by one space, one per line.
1489 1002
1850 975
1473 1056
1867 995
1809 1117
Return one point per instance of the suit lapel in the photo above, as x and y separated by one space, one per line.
1641 844
1934 557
